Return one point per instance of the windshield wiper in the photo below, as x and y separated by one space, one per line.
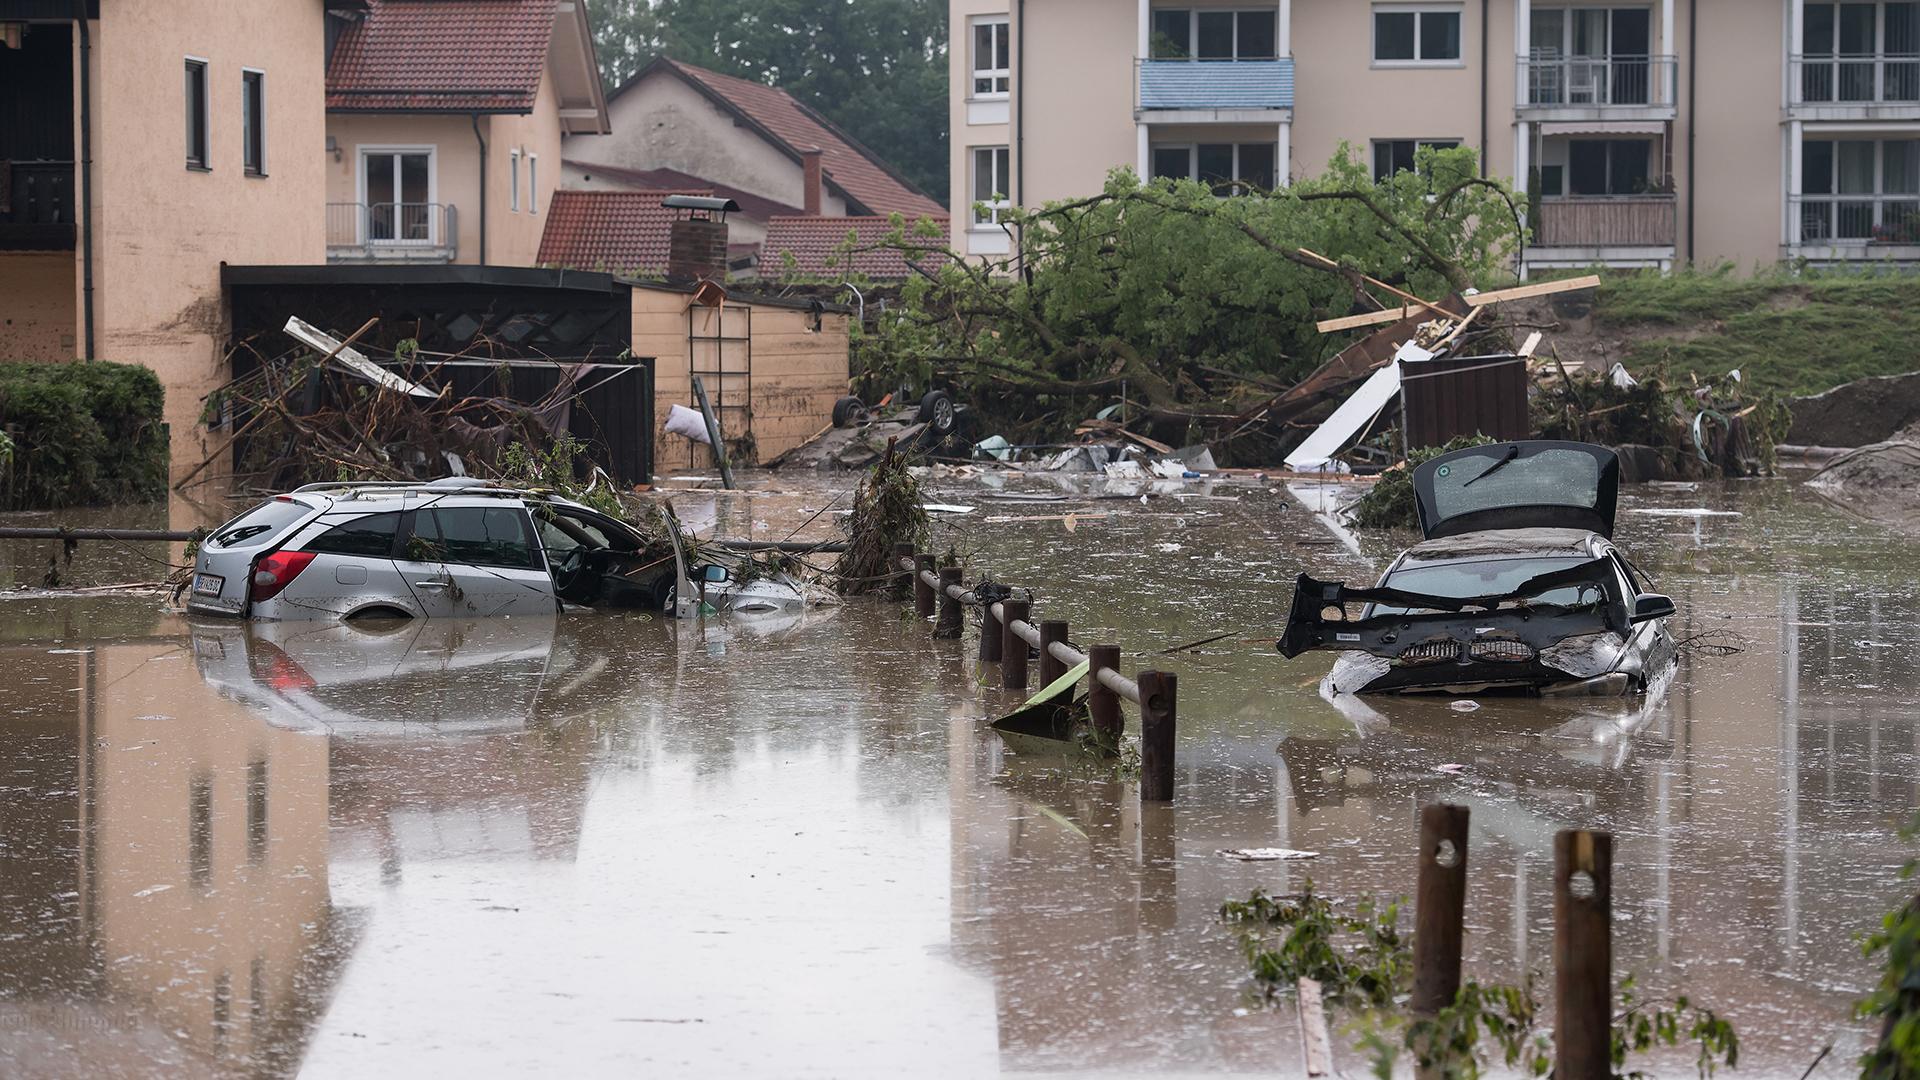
1512 452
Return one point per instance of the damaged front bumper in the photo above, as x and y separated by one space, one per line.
1467 645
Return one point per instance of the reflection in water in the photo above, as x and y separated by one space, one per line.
626 846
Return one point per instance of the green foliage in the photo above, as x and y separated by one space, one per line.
886 511
1894 1003
876 68
1155 289
1449 1044
1358 956
557 469
1390 504
1640 1025
1793 332
81 433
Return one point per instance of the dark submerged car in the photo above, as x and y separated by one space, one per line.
1517 586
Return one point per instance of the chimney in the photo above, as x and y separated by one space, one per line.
810 180
697 237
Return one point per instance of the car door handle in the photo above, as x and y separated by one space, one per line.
432 584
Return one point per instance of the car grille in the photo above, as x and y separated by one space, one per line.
1500 650
1430 652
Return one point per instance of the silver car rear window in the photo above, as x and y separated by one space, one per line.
261 525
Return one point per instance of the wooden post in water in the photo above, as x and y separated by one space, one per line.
1013 647
1051 667
923 592
1440 906
1157 716
951 622
902 579
1583 954
990 632
1103 705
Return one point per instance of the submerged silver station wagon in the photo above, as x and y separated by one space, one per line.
453 547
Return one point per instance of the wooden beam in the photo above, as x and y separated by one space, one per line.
1532 343
1521 292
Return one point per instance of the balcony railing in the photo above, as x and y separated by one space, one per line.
1858 220
1598 82
37 205
423 232
1598 221
1878 79
1166 84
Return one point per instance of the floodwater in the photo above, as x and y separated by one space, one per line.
606 846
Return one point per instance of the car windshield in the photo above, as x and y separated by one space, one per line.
1488 577
260 524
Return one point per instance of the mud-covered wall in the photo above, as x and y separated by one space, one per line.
38 321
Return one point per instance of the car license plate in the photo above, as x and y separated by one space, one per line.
207 584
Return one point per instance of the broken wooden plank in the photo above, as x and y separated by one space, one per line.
1377 283
342 353
1316 1048
1518 292
1527 347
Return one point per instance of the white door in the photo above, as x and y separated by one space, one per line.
475 561
398 186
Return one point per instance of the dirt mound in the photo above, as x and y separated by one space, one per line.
1869 410
1880 481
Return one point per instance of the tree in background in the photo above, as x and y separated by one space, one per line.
876 68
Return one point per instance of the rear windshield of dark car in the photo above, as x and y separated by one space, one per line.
260 525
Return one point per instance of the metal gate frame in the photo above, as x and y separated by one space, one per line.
729 386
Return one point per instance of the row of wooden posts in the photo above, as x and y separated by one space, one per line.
1007 630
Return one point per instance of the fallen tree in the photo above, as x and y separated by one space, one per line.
1181 303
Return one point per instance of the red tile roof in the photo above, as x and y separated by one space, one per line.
814 243
860 175
758 207
620 232
442 56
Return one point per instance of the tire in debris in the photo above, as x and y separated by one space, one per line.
847 410
936 411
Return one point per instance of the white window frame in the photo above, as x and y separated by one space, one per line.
1193 29
994 205
533 183
1419 11
1001 74
205 164
513 180
1443 142
1879 196
246 111
1193 156
360 153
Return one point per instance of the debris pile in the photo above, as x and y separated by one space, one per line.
886 511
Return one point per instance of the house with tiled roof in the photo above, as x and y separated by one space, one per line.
746 228
445 120
744 136
617 232
826 247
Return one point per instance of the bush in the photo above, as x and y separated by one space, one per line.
1390 504
81 433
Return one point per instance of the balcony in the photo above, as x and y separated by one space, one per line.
1605 221
1881 86
1848 228
1595 87
392 232
1177 91
37 206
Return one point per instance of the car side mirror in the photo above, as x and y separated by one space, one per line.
1649 606
713 574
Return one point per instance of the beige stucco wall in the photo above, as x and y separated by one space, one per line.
162 229
455 177
514 237
37 313
663 123
1739 190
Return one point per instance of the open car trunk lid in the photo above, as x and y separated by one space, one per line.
1535 483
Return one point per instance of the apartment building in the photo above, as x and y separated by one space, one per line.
1648 134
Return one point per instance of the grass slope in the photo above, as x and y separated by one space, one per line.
1798 334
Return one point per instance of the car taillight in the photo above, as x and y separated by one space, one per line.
275 572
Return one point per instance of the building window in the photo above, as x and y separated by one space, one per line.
1841 44
1592 56
513 180
1414 34
1397 155
1227 167
1860 189
253 122
197 115
1180 33
533 183
989 184
397 189
1607 167
990 66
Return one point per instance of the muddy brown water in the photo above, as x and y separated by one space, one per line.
606 846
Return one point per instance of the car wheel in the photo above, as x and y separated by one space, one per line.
847 411
663 593
936 411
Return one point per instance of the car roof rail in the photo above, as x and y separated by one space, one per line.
470 486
